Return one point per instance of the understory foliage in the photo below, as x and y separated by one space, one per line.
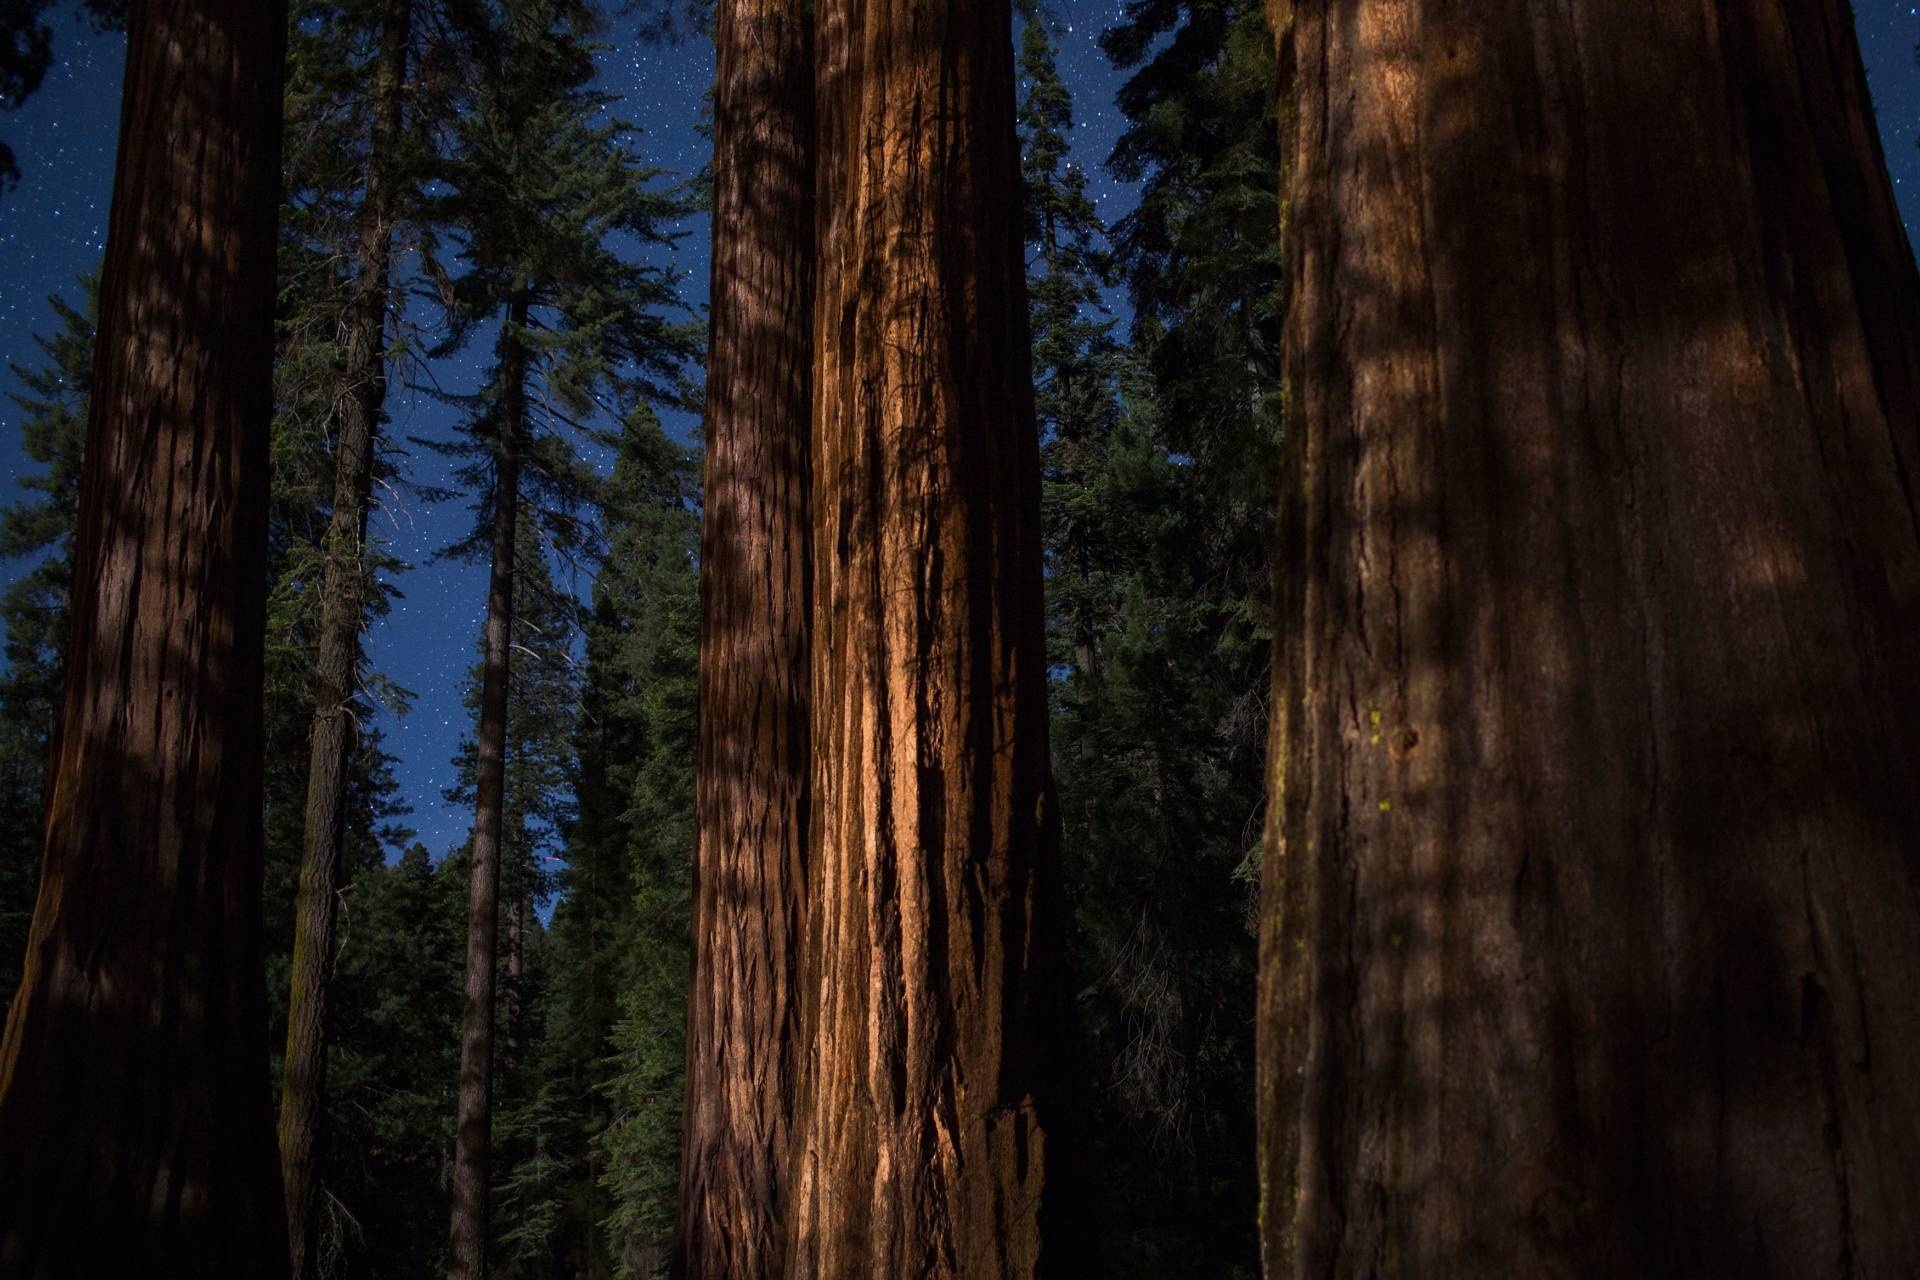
1158 448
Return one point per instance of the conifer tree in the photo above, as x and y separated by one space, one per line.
394 1049
134 1062
1159 520
53 403
350 130
1076 363
544 183
642 684
537 806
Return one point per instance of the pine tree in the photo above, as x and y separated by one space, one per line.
537 807
544 184
350 130
53 427
644 685
148 916
1157 518
1590 904
592 1171
1076 364
394 1049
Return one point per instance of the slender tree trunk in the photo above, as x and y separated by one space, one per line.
511 997
921 1146
136 1113
343 613
473 1138
743 1008
1592 895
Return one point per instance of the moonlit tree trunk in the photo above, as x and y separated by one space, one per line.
473 1135
136 1115
743 1010
342 614
1592 894
921 1146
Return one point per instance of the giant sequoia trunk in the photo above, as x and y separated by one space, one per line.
136 1117
920 1145
743 1009
473 1135
1592 897
342 614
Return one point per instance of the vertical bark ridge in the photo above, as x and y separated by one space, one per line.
1593 870
921 1147
135 1107
754 775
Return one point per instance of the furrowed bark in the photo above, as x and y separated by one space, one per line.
136 1114
743 1007
1592 893
342 615
473 1136
921 1144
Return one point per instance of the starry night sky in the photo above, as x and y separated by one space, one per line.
53 229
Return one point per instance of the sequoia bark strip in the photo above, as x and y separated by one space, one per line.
136 1115
920 1145
743 1008
1592 894
473 1135
342 615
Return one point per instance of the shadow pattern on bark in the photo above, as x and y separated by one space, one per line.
1591 893
135 1110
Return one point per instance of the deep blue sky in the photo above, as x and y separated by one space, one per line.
53 228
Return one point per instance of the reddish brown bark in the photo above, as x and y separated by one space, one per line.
136 1116
743 1008
473 1135
921 1148
336 672
1592 899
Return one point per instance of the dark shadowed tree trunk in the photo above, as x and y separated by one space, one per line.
1592 896
743 1010
136 1115
342 614
512 996
473 1140
920 1146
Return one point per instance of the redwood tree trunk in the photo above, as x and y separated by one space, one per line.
921 1148
1592 895
136 1114
473 1138
743 1008
343 613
